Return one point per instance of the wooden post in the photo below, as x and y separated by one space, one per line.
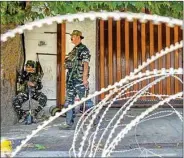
110 61
58 64
63 52
102 61
159 49
127 66
168 59
176 59
143 46
135 48
152 51
119 64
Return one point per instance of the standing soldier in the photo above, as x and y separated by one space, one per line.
29 79
77 64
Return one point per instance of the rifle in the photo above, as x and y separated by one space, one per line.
29 117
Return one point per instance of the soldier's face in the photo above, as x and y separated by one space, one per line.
30 69
75 39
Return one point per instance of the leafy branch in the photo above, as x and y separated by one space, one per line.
18 12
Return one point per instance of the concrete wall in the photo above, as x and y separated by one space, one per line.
49 63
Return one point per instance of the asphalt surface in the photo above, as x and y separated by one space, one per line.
153 137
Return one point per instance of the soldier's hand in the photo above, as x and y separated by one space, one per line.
31 84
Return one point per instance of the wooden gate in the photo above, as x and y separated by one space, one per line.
123 45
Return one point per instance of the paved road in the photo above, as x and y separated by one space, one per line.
162 136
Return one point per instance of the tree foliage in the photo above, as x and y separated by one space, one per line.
18 12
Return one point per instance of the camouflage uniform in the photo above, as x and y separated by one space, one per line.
23 92
74 63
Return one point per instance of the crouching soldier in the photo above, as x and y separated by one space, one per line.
29 85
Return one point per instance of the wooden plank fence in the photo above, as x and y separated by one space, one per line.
128 44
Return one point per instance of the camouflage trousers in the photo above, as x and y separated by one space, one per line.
74 87
23 97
